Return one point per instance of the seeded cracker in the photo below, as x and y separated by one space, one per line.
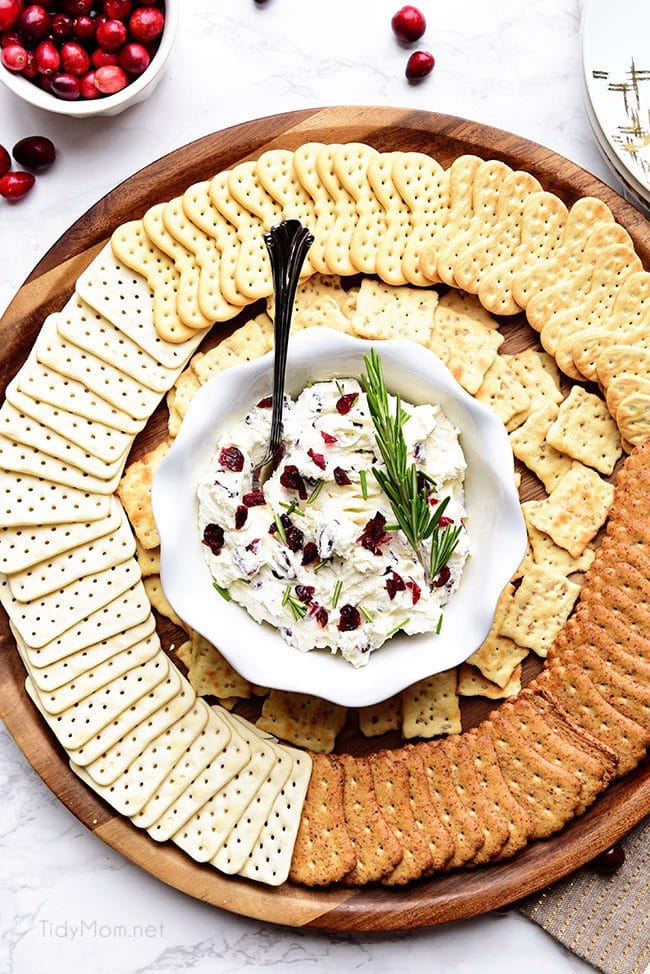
472 683
502 390
381 717
529 445
575 510
498 657
302 719
249 342
135 493
323 852
159 601
148 560
539 376
211 674
430 707
469 347
584 430
546 552
540 607
400 312
375 846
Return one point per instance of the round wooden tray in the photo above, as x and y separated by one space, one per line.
442 898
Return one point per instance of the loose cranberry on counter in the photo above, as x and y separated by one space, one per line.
349 619
309 553
34 152
112 35
231 458
419 65
408 24
254 498
34 23
9 13
305 593
265 403
146 24
15 185
610 861
213 538
135 58
65 85
5 161
394 584
346 402
318 459
327 438
14 57
341 477
110 79
241 516
442 577
415 590
291 479
374 534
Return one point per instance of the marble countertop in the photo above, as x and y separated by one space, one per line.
67 902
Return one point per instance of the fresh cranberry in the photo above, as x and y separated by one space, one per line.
65 86
394 584
74 59
102 59
117 9
254 498
241 516
88 86
291 480
419 65
44 81
135 58
62 26
309 553
31 67
112 35
305 593
84 28
321 616
231 458
318 459
15 185
110 79
146 24
265 403
408 24
9 13
78 7
10 37
14 57
328 439
346 402
610 861
34 23
5 161
415 590
349 619
34 152
374 534
442 577
213 538
48 58
341 477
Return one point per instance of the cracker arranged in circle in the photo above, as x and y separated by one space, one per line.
584 430
134 492
530 445
460 183
350 166
376 848
302 719
430 706
424 186
633 417
392 787
575 510
539 608
397 219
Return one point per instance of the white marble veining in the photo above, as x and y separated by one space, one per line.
66 900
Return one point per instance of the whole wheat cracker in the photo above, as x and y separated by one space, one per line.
375 846
620 688
430 825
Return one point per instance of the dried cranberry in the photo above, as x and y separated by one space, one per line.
341 477
254 498
241 516
213 538
305 593
265 403
310 553
374 534
327 438
415 590
291 479
321 617
346 402
394 584
318 458
444 521
273 528
231 458
349 619
253 545
295 537
442 577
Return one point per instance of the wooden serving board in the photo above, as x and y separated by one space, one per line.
439 899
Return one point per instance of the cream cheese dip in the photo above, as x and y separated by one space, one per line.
317 553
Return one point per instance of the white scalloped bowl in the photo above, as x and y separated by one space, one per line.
257 651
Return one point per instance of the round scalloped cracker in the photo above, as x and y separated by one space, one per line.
583 429
217 275
623 385
487 183
633 417
590 344
132 247
397 217
630 314
542 224
458 186
350 166
424 186
107 381
575 510
132 789
305 161
621 359
490 251
258 213
276 174
336 253
573 280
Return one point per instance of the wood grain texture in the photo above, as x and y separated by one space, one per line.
439 899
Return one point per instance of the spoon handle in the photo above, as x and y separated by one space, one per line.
287 245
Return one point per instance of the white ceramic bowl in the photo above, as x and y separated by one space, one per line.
495 523
137 91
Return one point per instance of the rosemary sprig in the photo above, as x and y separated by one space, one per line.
364 484
316 491
400 625
280 526
223 592
439 626
409 502
364 612
292 508
337 593
297 608
319 566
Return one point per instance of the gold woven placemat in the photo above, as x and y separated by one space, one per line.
603 919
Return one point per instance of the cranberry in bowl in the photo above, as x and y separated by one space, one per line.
310 584
90 57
